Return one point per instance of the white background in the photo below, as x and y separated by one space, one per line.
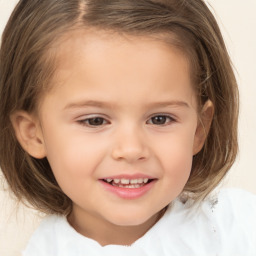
237 19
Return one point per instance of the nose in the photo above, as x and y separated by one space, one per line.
130 145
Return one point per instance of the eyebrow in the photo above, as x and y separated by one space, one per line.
89 103
102 104
175 103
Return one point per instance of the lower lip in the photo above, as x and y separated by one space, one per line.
128 193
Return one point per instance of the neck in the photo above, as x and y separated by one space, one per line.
106 233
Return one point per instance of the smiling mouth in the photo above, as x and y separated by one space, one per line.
128 183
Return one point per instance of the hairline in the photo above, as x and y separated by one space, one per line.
169 38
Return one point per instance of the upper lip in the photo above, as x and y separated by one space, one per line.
129 176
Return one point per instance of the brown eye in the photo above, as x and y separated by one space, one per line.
96 121
93 122
161 120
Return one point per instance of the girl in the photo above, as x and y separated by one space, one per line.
118 118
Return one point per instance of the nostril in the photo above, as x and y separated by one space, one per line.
130 150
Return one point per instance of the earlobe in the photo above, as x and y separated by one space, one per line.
203 127
29 134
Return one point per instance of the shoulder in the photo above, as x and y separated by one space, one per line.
231 214
235 221
44 240
231 210
234 204
222 224
236 210
55 237
237 196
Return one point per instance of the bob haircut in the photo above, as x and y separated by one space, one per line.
27 65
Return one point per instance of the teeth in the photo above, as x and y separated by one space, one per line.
134 186
127 186
136 181
140 180
127 181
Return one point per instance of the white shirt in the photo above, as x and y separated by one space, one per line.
224 225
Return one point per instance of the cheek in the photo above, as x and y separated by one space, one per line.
176 146
175 154
177 165
74 165
73 156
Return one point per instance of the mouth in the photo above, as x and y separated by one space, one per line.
128 188
128 183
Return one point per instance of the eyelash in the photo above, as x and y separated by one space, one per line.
171 119
85 122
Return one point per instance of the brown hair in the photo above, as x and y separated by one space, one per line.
26 69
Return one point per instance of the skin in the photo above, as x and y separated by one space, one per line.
128 81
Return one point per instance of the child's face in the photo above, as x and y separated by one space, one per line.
120 108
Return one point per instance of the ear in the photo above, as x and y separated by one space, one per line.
29 133
203 127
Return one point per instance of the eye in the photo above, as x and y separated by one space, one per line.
94 121
161 120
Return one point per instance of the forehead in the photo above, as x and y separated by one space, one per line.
109 47
125 65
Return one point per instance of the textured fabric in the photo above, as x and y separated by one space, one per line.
221 225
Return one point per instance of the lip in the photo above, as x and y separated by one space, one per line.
129 176
128 193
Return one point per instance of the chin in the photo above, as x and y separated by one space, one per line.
130 220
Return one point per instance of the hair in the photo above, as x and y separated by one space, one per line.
26 67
